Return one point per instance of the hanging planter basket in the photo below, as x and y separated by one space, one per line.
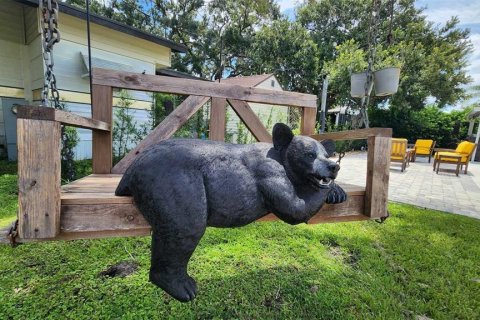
386 81
357 85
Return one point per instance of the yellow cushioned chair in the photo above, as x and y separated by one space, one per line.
423 148
464 150
399 152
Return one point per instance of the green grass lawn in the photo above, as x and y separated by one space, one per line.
419 263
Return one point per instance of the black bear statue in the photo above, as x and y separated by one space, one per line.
181 186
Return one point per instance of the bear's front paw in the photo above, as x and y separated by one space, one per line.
181 287
336 195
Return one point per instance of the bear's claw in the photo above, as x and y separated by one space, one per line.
336 195
183 287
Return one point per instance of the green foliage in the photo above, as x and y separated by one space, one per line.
432 58
70 140
197 126
350 59
419 263
129 12
126 131
286 49
447 129
83 168
8 195
158 111
8 167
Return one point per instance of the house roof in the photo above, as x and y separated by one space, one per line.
248 81
177 74
475 113
112 24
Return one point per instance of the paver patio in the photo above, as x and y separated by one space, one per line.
421 186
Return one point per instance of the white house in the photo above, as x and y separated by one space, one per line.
114 46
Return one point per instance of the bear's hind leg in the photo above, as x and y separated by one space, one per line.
171 252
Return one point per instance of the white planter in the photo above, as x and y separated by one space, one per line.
386 81
357 85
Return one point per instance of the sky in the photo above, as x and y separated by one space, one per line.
439 11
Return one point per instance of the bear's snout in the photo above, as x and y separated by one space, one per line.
333 167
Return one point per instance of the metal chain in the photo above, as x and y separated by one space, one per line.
372 43
13 233
390 13
51 35
340 157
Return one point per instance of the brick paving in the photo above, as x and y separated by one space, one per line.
421 186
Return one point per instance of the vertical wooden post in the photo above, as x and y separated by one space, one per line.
39 168
102 102
308 120
378 173
218 119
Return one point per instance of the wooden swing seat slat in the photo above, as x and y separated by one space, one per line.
90 209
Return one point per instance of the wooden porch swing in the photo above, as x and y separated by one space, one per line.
88 208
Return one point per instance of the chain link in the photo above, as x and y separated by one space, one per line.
340 157
51 35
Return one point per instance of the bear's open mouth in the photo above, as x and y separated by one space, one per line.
321 182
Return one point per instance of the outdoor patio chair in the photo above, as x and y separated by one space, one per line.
399 152
423 148
460 156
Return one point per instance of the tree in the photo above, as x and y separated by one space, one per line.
433 59
286 49
129 12
220 40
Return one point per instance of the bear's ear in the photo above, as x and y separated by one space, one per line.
329 146
282 136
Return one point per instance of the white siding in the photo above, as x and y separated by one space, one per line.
11 22
69 67
32 28
11 74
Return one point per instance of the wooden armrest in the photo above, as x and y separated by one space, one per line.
67 118
443 150
354 134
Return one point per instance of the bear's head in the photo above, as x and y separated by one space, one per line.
305 159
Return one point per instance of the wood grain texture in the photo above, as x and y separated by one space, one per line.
354 134
87 214
136 81
164 130
308 120
378 173
250 119
101 217
102 141
39 169
218 119
67 118
350 210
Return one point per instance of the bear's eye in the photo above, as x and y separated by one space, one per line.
312 155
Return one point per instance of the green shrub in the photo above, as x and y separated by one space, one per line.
447 129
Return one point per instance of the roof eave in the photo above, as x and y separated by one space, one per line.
112 24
